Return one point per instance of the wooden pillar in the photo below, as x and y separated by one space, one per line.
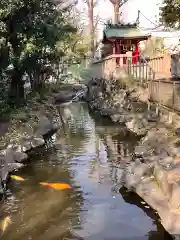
114 47
118 47
118 52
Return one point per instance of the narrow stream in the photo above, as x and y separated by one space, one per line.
88 156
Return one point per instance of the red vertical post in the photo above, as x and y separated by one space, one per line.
124 57
117 52
135 54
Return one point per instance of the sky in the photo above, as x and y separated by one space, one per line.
130 11
150 9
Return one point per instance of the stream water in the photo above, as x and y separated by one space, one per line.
87 155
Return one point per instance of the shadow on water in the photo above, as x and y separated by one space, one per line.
89 156
134 199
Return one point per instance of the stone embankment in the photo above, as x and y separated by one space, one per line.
32 129
153 171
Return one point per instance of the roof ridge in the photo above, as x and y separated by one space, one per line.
121 25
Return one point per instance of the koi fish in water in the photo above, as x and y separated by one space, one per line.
57 186
18 178
5 223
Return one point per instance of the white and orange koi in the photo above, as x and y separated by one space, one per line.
57 186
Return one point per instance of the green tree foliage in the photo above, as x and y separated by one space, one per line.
154 47
73 46
29 33
170 13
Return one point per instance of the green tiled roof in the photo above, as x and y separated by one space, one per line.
124 33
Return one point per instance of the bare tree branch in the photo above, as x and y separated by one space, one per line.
122 3
117 4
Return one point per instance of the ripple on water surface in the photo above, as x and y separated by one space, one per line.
89 157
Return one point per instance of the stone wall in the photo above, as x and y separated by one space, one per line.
166 93
153 170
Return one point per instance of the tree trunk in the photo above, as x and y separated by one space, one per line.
91 29
116 13
31 80
16 91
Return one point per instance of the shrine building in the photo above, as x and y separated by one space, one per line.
121 39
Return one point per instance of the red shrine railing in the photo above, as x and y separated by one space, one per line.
124 59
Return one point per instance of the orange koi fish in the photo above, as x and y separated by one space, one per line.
57 186
18 178
177 159
5 223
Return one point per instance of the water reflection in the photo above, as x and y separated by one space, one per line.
90 156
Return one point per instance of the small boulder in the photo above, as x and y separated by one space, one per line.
177 132
45 126
137 126
117 118
143 151
142 169
14 166
4 174
173 175
152 117
131 180
20 157
166 162
26 146
37 142
174 200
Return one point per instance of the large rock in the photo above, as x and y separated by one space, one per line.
118 118
142 169
45 126
8 154
11 159
152 117
173 174
46 129
142 94
138 126
131 181
175 196
160 176
14 154
20 157
26 145
171 222
143 151
152 194
4 174
166 161
14 166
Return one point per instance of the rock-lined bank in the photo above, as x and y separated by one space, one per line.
153 171
122 105
31 130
